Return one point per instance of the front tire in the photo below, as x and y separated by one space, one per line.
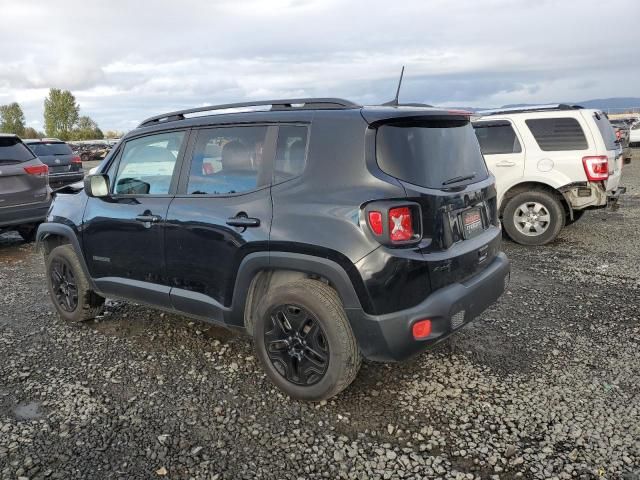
533 218
69 288
304 341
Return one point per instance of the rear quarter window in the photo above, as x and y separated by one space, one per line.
497 138
557 134
12 150
430 153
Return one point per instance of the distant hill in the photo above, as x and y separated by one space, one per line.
615 104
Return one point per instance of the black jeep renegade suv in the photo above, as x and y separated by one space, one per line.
326 230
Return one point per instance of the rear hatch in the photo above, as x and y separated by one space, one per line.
22 176
57 155
438 162
614 151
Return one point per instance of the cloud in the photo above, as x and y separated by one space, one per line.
125 61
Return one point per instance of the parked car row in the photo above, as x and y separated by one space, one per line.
91 150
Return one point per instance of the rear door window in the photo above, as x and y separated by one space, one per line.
497 138
606 130
557 134
431 154
12 150
229 160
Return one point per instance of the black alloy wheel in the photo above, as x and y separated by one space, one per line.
296 344
65 289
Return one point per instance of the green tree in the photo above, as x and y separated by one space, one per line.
31 132
12 119
86 129
60 113
113 134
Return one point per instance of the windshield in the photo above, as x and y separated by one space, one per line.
12 150
59 148
431 154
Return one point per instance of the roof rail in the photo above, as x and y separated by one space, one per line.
530 108
285 104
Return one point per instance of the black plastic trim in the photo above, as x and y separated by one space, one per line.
46 229
388 337
258 261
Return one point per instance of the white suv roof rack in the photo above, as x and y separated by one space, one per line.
530 108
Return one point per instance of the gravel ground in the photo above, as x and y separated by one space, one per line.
544 385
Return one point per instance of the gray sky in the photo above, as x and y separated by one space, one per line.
126 60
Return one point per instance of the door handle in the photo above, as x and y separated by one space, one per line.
243 222
148 218
506 163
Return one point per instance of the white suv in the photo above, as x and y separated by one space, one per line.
634 134
551 163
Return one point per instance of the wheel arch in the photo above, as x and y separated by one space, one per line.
261 271
533 185
51 235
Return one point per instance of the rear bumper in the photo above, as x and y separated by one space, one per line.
23 214
57 180
389 337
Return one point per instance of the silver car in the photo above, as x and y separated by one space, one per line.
24 188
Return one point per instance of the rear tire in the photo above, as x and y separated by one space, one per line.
69 287
298 325
533 218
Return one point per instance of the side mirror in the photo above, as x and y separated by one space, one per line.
96 185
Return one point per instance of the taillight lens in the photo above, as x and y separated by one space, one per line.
400 224
76 159
596 168
375 222
38 170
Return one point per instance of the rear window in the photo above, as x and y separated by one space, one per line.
606 130
497 138
13 150
58 148
557 134
430 154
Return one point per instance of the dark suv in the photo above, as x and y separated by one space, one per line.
24 188
65 167
326 230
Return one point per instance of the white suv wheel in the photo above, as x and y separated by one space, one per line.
532 219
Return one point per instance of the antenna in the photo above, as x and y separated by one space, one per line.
394 102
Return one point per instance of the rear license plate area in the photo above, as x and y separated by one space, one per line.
472 223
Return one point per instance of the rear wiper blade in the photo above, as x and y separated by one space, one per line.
461 178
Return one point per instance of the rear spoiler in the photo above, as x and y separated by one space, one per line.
376 116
